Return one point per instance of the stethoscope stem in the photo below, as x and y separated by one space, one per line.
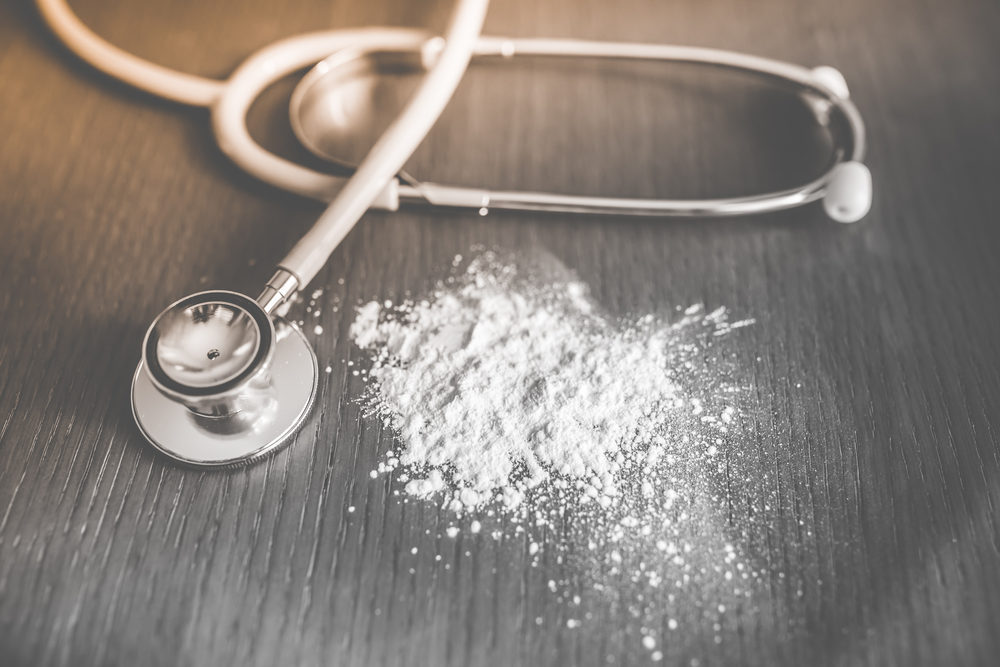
279 290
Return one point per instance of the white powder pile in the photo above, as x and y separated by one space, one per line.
512 395
498 388
497 384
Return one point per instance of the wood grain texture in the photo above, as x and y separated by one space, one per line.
874 363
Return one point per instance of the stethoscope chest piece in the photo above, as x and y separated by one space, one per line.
221 383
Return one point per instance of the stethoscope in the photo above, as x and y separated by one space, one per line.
224 379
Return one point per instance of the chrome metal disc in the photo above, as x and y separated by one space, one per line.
174 430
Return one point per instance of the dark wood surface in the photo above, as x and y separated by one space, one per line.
873 363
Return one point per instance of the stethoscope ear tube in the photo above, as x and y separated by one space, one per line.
822 89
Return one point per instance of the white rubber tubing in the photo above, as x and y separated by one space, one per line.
122 65
274 62
394 147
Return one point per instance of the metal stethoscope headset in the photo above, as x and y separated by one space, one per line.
224 379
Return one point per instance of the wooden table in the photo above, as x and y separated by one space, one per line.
873 363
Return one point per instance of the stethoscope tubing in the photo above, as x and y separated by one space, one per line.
230 101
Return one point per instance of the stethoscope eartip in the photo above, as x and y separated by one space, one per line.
833 80
848 196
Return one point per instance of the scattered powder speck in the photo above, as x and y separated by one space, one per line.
515 401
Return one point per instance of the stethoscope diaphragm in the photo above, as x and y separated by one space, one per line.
221 381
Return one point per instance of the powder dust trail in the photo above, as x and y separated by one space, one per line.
602 443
